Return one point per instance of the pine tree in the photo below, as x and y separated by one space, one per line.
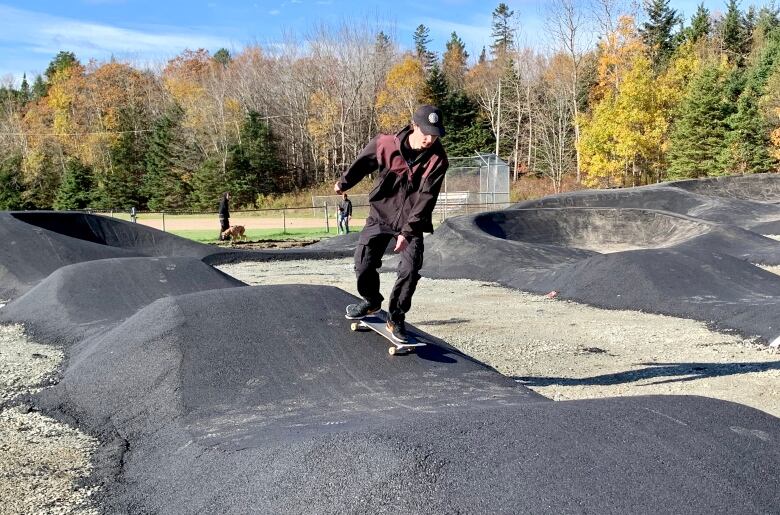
700 24
436 86
734 37
253 165
747 143
39 88
657 31
223 57
421 41
61 61
208 184
11 186
697 137
455 62
75 191
482 56
502 34
163 185
24 90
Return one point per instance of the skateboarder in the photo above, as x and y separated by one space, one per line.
411 166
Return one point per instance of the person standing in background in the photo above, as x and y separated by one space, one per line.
345 215
224 214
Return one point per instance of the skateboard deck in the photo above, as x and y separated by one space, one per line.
376 323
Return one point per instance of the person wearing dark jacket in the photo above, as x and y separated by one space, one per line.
224 214
344 215
411 166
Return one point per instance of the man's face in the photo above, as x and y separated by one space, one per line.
418 140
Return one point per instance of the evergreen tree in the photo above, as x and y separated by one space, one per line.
734 37
121 186
502 34
382 43
223 57
421 41
163 185
482 56
700 24
208 184
24 90
39 88
436 86
747 143
61 61
700 127
455 62
466 133
11 187
658 31
75 191
253 165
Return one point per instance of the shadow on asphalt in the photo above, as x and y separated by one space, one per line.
676 372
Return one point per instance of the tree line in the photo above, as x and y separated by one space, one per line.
617 96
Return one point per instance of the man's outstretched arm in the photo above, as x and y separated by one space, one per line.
365 163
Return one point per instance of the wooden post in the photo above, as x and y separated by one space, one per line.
327 220
284 220
163 214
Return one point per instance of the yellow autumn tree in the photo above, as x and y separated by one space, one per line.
403 91
622 139
322 126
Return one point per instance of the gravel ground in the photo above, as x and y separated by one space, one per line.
41 460
560 349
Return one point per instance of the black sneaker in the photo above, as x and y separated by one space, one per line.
362 310
397 329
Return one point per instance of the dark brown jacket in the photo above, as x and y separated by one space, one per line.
403 196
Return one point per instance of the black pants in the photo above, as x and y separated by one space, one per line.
368 259
224 225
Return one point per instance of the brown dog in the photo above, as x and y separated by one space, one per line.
235 232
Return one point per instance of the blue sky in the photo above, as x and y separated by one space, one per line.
32 31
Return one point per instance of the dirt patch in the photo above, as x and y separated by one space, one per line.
266 244
562 349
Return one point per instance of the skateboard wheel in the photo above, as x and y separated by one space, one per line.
392 351
354 326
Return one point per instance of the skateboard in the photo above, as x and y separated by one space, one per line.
376 323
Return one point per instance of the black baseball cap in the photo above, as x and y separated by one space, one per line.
430 120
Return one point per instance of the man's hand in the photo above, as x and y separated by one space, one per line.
400 244
337 189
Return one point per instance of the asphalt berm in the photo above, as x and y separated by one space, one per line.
208 395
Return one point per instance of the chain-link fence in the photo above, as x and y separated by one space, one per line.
471 185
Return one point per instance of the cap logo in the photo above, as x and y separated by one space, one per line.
433 118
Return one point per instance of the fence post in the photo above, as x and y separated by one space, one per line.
327 220
163 214
284 220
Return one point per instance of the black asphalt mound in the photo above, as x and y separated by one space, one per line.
77 300
758 187
689 268
733 211
36 243
221 402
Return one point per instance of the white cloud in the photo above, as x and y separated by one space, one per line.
47 34
274 12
